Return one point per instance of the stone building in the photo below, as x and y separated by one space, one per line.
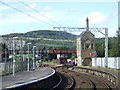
85 46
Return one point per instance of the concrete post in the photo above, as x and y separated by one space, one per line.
106 47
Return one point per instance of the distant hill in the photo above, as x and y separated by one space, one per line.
50 39
44 34
47 38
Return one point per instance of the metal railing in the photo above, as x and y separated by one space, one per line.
7 67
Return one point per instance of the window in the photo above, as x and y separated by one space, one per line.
91 46
83 46
87 46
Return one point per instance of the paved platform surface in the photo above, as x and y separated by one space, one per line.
25 76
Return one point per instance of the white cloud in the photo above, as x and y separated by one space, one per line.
48 8
113 14
32 6
4 8
73 10
2 16
21 18
63 0
95 18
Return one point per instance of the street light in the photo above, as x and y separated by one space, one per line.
28 65
33 58
14 55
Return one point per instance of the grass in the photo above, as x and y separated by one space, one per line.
50 45
53 62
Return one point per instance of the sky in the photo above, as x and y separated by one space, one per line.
58 14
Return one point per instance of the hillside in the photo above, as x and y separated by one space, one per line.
59 40
47 38
44 34
50 39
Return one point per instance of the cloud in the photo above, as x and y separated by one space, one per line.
32 6
4 8
73 10
21 18
113 14
63 0
95 18
48 8
2 16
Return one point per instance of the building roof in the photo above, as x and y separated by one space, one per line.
85 32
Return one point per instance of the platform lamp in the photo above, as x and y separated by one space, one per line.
14 55
34 57
28 63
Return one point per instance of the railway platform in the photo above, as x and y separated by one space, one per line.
25 77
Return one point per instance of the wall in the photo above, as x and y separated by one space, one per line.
113 62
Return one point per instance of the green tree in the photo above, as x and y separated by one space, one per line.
118 42
100 48
112 50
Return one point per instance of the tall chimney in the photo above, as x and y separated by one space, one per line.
87 24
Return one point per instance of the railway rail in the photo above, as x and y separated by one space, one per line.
85 81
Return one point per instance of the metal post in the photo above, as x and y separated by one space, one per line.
5 53
106 47
21 54
28 59
13 58
14 55
33 58
28 65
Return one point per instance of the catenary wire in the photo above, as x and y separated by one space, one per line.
33 16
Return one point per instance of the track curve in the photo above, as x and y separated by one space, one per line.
85 81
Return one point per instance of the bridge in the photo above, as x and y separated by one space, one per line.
39 51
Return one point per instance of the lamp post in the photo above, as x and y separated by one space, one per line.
33 58
28 65
14 55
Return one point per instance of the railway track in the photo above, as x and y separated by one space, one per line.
72 79
83 80
67 82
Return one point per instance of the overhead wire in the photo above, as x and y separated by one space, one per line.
33 16
25 13
39 12
44 16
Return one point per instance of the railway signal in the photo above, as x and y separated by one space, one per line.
91 53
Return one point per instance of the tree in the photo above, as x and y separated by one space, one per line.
4 49
118 42
113 47
100 48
